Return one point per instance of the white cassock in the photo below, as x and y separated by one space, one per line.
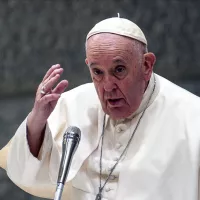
162 161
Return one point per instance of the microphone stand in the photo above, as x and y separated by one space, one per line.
59 191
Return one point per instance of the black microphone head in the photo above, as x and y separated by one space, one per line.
73 133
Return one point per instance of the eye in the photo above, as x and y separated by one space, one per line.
120 71
97 74
97 71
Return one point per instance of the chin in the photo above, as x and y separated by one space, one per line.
117 113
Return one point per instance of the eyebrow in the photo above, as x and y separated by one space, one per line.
116 61
91 65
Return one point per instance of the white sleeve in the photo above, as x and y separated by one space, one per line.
26 170
22 167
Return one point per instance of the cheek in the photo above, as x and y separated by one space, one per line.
97 87
131 91
99 90
126 87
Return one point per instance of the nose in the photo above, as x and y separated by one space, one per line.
109 83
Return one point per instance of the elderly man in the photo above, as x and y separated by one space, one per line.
140 133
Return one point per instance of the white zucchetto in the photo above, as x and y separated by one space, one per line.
119 26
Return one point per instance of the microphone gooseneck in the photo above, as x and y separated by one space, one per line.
70 143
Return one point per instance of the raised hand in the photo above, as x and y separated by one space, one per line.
47 96
46 99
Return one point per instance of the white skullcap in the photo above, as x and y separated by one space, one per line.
119 26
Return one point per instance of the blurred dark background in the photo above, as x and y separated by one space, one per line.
37 34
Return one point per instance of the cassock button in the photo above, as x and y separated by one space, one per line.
107 189
116 158
118 145
112 177
121 127
118 129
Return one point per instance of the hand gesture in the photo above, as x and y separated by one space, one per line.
46 99
48 94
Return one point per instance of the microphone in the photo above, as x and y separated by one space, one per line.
70 143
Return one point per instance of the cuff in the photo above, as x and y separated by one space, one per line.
22 166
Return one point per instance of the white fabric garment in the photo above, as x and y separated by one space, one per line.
116 136
162 162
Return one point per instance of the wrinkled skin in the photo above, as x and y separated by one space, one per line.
120 72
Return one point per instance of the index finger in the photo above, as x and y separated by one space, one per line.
50 71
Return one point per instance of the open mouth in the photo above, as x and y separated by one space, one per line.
115 102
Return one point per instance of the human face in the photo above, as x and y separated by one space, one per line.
117 71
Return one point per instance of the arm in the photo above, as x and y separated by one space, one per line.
32 146
45 103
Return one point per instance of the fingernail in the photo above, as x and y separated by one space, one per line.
56 65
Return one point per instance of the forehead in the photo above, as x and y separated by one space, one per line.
105 46
109 41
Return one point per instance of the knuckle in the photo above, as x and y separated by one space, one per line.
40 85
44 99
55 72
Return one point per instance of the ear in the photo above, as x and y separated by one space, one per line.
149 61
86 61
